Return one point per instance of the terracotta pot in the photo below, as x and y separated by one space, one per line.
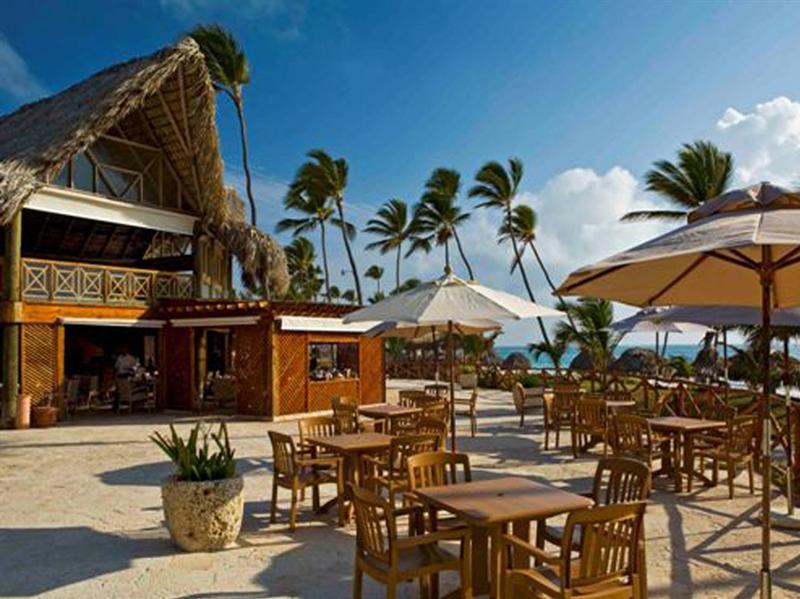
203 516
44 416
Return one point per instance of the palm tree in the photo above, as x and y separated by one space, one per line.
229 71
328 177
335 293
702 172
437 216
317 211
498 187
393 226
302 262
349 296
592 334
406 285
554 350
375 272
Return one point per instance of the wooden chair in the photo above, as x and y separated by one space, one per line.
405 425
437 469
410 398
616 480
433 426
131 393
631 436
522 404
589 424
390 470
438 390
437 410
389 559
559 412
72 395
296 473
469 408
316 426
600 557
347 416
736 448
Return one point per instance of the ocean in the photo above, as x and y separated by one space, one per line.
688 351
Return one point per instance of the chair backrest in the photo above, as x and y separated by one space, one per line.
433 469
438 390
609 542
401 448
631 435
125 390
347 416
437 411
433 426
283 454
318 426
73 389
518 393
565 398
618 480
742 434
410 398
590 412
376 528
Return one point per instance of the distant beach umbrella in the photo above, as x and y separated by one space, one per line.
455 302
739 249
653 320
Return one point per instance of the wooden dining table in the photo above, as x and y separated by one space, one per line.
352 447
487 506
679 461
387 412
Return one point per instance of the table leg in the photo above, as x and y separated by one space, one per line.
496 575
676 462
480 560
688 459
521 530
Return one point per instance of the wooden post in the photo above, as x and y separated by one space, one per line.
767 278
200 264
452 358
11 315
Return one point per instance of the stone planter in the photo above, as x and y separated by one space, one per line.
468 380
203 516
534 396
44 416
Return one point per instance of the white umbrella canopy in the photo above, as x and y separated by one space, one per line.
452 301
729 316
655 320
739 249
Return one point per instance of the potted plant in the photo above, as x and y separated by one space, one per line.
204 500
534 388
468 376
44 414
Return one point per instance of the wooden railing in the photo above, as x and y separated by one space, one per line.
78 283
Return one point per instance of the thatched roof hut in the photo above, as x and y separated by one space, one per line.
166 99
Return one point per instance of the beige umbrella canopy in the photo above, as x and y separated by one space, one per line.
407 330
453 302
739 249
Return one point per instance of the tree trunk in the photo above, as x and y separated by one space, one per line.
510 221
447 268
348 249
463 255
245 163
325 261
548 279
397 267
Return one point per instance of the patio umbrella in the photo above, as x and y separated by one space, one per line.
455 302
739 249
653 320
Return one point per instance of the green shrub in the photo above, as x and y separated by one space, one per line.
193 459
529 380
467 369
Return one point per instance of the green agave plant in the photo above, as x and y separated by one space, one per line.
193 458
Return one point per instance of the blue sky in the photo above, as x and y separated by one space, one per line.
588 94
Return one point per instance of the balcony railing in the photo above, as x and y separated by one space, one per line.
77 283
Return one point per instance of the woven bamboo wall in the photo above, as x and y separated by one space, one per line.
180 385
373 388
320 393
291 369
251 365
39 360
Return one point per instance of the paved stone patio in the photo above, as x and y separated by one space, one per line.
80 516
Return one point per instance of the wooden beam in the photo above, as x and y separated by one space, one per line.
109 239
89 236
175 128
12 298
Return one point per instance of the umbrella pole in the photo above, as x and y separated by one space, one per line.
452 358
767 278
435 356
787 395
725 359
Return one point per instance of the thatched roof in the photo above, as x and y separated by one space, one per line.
172 91
164 99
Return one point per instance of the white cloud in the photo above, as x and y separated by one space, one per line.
16 78
765 142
